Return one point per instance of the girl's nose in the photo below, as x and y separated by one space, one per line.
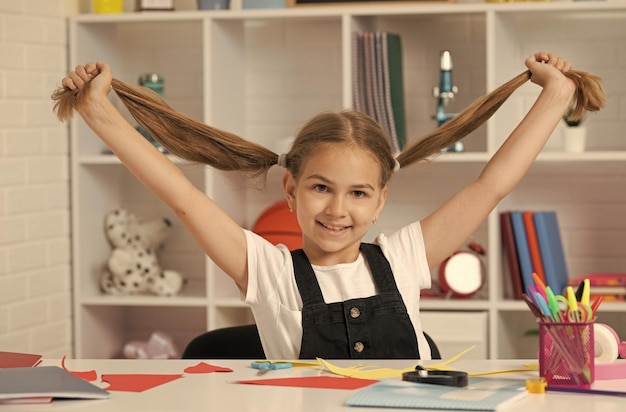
336 206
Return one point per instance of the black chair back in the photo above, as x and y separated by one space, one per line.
243 342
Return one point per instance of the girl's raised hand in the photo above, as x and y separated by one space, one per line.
548 67
97 75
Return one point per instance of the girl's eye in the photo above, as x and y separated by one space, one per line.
359 194
321 188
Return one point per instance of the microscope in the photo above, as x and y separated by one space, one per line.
444 93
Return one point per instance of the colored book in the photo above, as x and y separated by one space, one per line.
601 279
382 90
551 247
510 254
34 385
609 285
368 78
533 244
377 73
481 394
378 84
357 71
608 297
523 252
610 387
396 86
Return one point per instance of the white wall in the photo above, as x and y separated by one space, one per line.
35 290
35 286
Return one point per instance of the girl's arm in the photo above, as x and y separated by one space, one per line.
448 227
220 237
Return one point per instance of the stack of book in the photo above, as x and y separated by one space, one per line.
378 86
611 286
532 243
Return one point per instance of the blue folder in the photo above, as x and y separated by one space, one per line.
551 248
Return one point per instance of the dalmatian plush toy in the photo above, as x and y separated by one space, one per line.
133 268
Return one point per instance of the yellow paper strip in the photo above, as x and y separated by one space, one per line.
369 372
373 372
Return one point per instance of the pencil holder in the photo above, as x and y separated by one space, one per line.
566 353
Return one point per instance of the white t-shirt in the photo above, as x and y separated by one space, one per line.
275 300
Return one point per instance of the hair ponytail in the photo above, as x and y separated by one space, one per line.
182 135
195 141
589 97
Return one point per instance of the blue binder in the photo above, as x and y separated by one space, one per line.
523 252
551 248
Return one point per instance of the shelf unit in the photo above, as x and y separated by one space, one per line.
262 73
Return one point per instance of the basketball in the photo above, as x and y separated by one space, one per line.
278 225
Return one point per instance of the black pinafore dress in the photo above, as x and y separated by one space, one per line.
376 327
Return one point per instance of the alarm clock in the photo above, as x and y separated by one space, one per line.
463 273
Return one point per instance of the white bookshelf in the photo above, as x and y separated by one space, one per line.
262 73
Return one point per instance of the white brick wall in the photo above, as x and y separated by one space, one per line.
35 291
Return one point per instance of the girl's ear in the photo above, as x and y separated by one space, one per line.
289 189
381 202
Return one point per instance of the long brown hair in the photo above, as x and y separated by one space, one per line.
195 141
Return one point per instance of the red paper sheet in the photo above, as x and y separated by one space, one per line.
325 382
89 376
203 367
18 360
136 382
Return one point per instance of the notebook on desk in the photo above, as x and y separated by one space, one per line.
45 382
482 394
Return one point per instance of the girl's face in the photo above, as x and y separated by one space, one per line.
336 198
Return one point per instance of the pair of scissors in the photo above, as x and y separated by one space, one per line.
266 366
577 311
436 377
581 313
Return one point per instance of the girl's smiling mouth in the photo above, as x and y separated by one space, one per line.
333 228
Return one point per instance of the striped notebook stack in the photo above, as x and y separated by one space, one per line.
377 78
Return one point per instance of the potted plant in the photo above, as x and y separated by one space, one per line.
575 133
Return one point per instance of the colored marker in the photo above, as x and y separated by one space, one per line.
543 306
586 292
533 307
595 305
553 305
538 282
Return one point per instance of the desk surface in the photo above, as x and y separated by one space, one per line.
216 392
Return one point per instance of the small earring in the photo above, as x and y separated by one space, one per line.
374 221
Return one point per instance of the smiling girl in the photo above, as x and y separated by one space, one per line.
337 297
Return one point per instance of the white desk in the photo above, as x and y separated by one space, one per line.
214 392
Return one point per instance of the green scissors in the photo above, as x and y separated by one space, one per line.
266 366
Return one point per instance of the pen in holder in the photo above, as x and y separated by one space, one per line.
566 353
